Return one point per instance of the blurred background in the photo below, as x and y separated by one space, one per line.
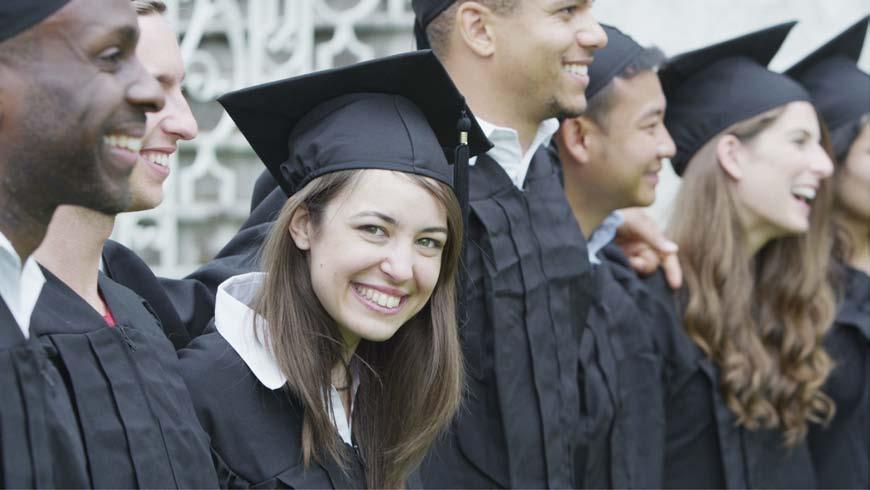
229 44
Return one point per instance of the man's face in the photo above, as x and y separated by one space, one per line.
627 148
543 51
74 108
159 53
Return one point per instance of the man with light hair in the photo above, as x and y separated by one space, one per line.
135 414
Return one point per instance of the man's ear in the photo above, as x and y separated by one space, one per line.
300 228
574 138
729 152
473 21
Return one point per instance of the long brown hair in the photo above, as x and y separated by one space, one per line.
761 318
410 385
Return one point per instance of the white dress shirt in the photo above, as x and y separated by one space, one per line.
603 235
19 286
233 319
507 151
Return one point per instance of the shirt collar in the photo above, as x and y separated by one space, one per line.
603 235
20 285
234 321
506 150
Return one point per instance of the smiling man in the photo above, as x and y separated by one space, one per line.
519 64
611 157
73 99
134 411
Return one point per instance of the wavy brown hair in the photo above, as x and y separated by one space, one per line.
410 385
761 318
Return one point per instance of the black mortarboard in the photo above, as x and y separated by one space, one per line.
611 60
714 87
17 16
397 113
424 12
840 90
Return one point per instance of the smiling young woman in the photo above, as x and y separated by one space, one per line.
349 338
745 352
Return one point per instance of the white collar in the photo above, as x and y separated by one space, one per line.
507 151
20 285
234 320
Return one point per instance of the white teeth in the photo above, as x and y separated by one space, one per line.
123 141
805 192
380 298
576 69
159 158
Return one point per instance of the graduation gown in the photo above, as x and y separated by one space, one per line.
40 444
841 451
240 396
526 302
183 306
704 446
624 405
136 417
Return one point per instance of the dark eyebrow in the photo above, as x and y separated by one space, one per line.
656 111
128 34
378 215
392 221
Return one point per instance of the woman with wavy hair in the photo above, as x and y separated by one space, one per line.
744 353
841 449
340 364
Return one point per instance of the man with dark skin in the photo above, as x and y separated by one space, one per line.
73 99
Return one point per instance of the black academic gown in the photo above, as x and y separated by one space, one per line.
183 306
841 451
135 414
526 303
624 404
704 446
40 444
256 432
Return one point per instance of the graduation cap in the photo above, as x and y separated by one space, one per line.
840 90
424 12
610 61
16 16
398 113
714 87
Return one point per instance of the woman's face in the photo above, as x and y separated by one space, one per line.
376 256
782 169
853 180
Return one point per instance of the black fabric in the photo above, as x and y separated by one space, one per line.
841 451
123 266
256 432
635 377
610 61
840 90
407 104
704 446
17 16
40 444
712 88
137 420
526 303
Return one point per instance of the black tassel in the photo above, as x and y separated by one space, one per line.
460 187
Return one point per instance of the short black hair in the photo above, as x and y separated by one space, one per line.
599 106
438 31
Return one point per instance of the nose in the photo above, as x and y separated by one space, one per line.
399 263
178 119
821 164
667 148
591 35
143 90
